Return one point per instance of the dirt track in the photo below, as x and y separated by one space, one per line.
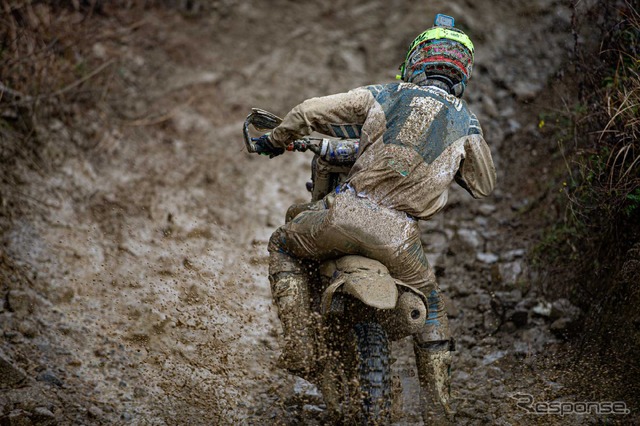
146 248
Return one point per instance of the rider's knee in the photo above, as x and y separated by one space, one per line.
277 241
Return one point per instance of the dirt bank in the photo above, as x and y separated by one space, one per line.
134 226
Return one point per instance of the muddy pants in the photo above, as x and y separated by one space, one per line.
355 225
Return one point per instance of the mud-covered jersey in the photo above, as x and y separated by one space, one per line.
415 141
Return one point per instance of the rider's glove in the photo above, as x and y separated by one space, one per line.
264 146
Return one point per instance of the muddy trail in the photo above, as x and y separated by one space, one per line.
136 273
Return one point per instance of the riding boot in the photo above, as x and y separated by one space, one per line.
433 361
291 295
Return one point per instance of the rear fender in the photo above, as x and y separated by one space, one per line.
364 279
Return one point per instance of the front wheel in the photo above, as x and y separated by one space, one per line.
356 384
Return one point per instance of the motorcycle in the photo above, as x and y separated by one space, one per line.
360 307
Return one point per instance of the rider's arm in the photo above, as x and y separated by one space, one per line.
477 174
316 114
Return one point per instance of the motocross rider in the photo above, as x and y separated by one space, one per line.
416 137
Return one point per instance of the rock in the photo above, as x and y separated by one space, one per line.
507 328
490 321
489 107
526 304
48 377
536 338
312 409
477 301
543 309
461 376
28 328
512 254
434 259
139 392
471 238
520 348
16 418
498 393
488 258
95 412
13 336
520 205
302 388
563 308
434 241
525 90
482 222
519 318
21 302
465 341
563 327
509 298
461 288
514 125
42 416
486 209
507 273
10 375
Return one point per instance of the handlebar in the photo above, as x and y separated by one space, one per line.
262 120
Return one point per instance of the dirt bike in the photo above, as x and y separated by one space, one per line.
361 308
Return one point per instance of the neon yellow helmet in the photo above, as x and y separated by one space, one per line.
442 53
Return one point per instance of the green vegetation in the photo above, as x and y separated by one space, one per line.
593 249
602 158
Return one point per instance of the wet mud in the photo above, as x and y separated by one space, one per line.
137 288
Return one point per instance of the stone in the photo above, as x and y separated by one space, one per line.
461 288
519 318
508 273
10 375
564 308
16 418
521 348
471 238
20 302
486 209
543 309
434 241
42 416
508 327
312 409
95 412
490 321
563 327
489 107
487 258
48 377
510 255
509 298
305 389
525 90
28 328
493 357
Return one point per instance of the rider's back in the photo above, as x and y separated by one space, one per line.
413 141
